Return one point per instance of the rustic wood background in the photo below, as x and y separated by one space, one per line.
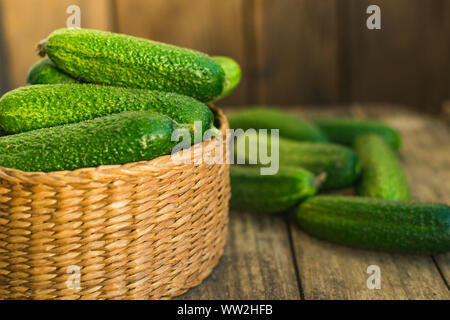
291 51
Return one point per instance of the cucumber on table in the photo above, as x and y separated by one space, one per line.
251 191
290 126
45 72
122 60
346 130
400 226
40 106
340 163
115 139
382 173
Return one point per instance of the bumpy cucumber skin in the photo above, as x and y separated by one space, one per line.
251 191
346 130
399 226
114 139
233 74
122 60
41 106
382 175
340 163
290 126
45 72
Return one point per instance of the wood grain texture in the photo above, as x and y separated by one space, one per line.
436 51
253 36
445 114
26 22
257 263
443 262
214 27
298 50
402 62
291 51
330 271
3 60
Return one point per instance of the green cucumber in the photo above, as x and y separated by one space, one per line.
400 226
340 164
346 130
40 106
115 139
45 72
232 75
122 60
290 126
251 191
382 175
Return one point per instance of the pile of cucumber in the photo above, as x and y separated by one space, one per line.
102 98
327 154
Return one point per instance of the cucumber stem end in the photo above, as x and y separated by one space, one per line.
42 48
320 179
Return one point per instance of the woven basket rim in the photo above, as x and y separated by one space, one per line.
105 172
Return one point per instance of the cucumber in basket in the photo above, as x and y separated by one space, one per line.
40 106
345 130
115 139
339 163
290 126
122 60
251 191
382 174
400 226
45 72
232 74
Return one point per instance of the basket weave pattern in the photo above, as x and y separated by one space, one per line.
145 230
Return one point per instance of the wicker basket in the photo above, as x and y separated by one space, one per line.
145 230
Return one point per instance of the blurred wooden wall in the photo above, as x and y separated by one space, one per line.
291 51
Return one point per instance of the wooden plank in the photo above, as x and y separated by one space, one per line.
3 61
27 22
437 42
446 111
443 263
402 62
214 27
385 63
330 271
253 35
257 262
299 51
97 14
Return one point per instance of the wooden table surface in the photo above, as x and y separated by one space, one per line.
269 257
